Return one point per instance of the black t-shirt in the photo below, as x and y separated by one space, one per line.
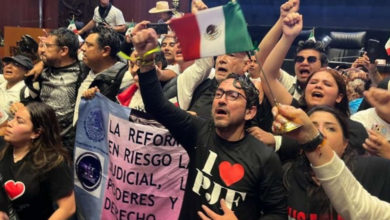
31 193
203 97
246 173
263 118
372 172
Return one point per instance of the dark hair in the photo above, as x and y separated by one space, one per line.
159 57
46 150
68 39
343 105
168 36
108 37
300 168
244 83
317 46
340 117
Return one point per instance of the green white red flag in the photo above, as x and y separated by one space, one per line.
387 47
72 26
212 32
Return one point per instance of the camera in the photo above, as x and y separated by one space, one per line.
102 23
159 28
373 48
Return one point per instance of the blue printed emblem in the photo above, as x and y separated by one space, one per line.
93 126
89 171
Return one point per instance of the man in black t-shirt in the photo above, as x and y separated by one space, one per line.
225 162
58 83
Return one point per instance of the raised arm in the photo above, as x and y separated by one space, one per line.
87 27
346 194
190 79
271 38
178 122
292 26
373 73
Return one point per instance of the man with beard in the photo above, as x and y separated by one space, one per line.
58 83
219 148
106 15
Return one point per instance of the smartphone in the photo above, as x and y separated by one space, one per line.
373 48
159 28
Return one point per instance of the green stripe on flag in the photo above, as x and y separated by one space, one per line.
237 38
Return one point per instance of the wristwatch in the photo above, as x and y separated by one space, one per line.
313 144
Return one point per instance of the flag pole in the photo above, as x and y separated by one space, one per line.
289 125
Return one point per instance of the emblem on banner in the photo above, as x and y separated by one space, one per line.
93 126
89 170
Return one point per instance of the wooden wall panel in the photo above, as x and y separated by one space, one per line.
14 34
25 13
19 13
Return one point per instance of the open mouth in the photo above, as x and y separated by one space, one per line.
304 71
220 111
221 69
317 94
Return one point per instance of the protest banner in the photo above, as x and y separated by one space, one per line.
125 170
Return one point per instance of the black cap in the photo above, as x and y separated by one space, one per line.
20 59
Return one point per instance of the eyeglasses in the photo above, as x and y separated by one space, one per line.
230 94
46 45
310 59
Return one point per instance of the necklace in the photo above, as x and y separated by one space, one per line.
20 156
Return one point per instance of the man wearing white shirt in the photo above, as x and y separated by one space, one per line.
107 15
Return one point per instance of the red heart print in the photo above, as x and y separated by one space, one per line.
14 189
231 174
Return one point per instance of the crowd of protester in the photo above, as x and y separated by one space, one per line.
235 106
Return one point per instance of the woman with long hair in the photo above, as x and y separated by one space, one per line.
305 194
345 193
34 166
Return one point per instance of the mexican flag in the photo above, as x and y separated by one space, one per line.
212 32
387 47
311 36
72 26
